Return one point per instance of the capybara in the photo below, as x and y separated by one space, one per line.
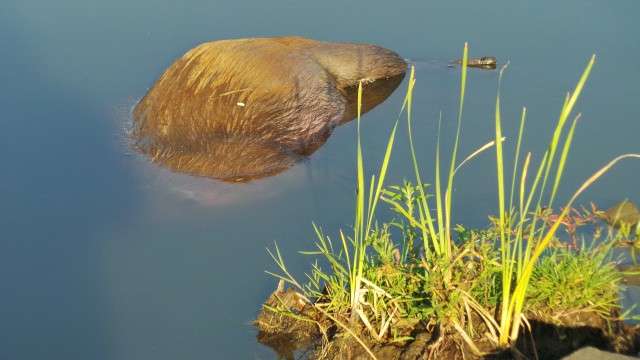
242 109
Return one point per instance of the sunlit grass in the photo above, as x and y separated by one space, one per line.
569 281
445 275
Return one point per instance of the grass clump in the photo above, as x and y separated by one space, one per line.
568 281
385 283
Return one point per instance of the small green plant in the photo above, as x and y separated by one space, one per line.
449 276
569 281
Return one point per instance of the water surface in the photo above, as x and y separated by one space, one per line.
104 256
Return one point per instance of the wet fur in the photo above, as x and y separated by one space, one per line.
257 99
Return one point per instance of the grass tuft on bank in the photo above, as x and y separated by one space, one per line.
384 281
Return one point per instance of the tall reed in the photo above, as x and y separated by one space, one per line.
364 216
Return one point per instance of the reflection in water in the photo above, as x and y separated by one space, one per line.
167 186
231 158
631 274
167 189
238 110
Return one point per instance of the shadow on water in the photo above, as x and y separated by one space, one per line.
551 341
61 185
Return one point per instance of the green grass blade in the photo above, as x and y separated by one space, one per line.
438 194
449 191
507 265
563 158
564 114
517 156
382 175
423 210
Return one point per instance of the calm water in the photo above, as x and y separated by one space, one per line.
103 256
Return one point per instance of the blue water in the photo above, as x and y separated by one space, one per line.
104 256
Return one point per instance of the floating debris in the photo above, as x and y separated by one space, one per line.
485 62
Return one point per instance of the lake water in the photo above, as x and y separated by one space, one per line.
104 256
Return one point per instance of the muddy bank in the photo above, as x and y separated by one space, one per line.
296 329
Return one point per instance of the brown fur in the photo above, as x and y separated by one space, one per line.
226 106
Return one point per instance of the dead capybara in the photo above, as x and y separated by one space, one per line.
242 109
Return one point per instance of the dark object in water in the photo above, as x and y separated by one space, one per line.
243 109
625 212
485 62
